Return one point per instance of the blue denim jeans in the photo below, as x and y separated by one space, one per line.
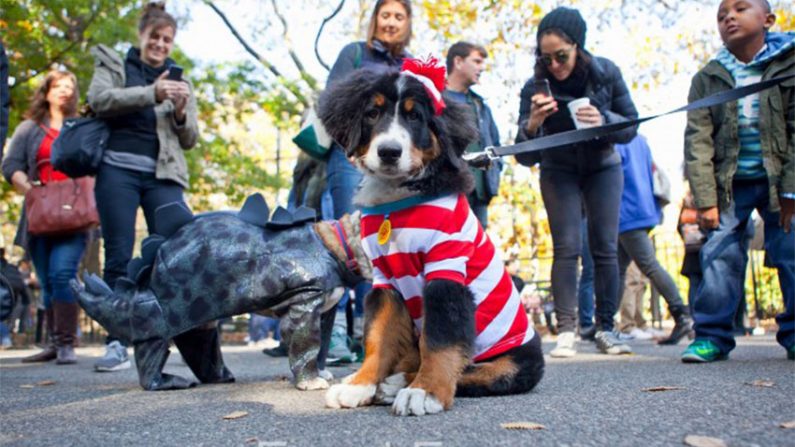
564 191
56 260
724 256
342 180
585 305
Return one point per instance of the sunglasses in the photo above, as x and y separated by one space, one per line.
560 56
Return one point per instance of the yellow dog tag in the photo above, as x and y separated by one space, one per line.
384 231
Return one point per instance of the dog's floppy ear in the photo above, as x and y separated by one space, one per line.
342 104
458 120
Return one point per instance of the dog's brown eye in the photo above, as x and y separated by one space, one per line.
372 114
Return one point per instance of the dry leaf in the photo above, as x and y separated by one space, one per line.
790 424
522 426
762 383
252 440
236 415
45 383
655 389
27 386
704 441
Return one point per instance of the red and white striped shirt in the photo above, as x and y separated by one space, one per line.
441 238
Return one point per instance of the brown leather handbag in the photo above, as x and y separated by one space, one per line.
62 207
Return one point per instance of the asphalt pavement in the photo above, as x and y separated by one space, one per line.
591 399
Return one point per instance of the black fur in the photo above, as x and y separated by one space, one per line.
448 315
529 358
352 120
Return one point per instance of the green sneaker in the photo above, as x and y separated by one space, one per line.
703 351
791 353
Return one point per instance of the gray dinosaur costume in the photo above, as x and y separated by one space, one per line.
196 270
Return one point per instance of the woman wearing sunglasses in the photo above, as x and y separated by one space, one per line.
581 180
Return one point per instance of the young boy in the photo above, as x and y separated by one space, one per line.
740 156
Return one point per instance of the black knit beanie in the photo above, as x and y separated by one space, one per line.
567 20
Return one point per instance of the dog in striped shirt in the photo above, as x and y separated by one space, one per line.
443 318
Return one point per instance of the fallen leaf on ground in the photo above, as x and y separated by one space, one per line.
790 424
762 383
522 426
27 386
252 441
45 383
236 415
704 441
655 389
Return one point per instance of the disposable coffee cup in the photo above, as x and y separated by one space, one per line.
573 107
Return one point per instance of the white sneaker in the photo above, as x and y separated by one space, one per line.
640 334
565 346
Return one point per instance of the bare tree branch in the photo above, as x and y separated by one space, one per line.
320 31
292 88
309 79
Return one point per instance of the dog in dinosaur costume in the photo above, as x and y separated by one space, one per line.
199 269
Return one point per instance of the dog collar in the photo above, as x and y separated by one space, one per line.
398 205
351 262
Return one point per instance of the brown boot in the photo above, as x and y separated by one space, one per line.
65 332
49 352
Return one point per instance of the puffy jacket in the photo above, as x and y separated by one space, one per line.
107 96
608 93
712 144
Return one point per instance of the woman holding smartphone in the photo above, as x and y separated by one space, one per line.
152 120
582 180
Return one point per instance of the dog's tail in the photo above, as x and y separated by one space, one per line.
517 371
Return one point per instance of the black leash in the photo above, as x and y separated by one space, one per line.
558 140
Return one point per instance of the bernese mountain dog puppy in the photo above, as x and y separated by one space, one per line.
443 318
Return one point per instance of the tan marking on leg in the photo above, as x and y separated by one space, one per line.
487 373
439 372
389 336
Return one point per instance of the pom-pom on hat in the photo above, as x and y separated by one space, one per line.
567 20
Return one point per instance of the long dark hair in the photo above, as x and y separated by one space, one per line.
398 49
39 108
580 67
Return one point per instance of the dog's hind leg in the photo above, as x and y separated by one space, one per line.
150 357
514 372
201 350
389 340
301 328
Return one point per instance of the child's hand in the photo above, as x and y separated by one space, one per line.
709 218
787 211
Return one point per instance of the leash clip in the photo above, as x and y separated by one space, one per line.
481 160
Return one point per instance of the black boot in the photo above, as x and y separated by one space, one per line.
682 328
49 352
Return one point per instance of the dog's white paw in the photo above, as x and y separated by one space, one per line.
389 388
349 396
326 374
415 401
318 383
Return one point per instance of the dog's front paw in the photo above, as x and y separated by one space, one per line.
417 402
318 383
389 388
349 396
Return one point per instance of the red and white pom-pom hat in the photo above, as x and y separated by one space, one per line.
431 73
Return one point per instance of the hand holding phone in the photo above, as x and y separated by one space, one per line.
542 87
174 73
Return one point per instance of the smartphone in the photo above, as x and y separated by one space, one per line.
174 73
542 87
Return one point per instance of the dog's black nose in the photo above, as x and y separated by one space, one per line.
389 152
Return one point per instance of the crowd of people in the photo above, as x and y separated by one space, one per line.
599 194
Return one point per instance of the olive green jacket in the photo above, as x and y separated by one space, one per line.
107 96
712 143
